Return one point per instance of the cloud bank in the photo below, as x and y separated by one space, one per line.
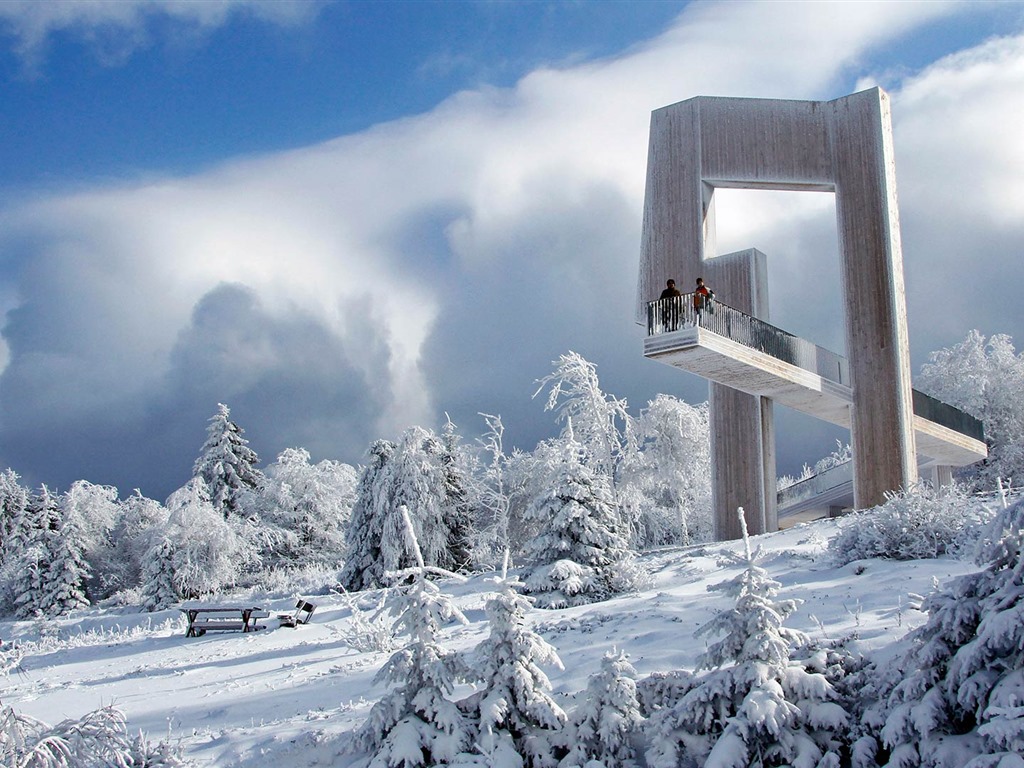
344 291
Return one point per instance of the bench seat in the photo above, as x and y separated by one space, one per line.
203 619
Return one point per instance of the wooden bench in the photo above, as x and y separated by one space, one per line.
204 618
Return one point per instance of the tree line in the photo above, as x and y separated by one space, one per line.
573 510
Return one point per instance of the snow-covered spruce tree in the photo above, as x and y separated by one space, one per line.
226 464
415 723
64 587
13 498
311 501
529 475
455 468
419 479
516 722
27 561
984 377
46 571
607 719
579 555
959 699
159 588
673 475
412 474
755 706
364 567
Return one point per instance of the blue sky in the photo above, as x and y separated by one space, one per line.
342 219
186 97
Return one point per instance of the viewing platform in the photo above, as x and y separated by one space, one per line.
727 346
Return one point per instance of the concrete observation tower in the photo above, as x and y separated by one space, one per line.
842 146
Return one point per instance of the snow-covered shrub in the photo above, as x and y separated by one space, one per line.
606 719
757 705
957 697
98 739
917 523
841 455
580 555
516 722
371 633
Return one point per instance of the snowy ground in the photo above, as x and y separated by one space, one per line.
287 697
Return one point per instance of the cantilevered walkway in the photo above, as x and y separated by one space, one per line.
732 348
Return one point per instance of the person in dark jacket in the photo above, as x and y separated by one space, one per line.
671 306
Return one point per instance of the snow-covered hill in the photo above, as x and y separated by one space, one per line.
289 697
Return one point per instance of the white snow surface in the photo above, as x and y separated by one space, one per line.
292 697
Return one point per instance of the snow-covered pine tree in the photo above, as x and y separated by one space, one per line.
28 560
457 518
64 588
579 554
756 707
959 697
418 479
159 588
607 718
415 723
513 712
13 498
412 474
226 464
364 567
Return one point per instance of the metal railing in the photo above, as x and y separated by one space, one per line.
672 314
679 312
945 414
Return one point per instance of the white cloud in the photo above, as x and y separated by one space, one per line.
443 260
116 28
